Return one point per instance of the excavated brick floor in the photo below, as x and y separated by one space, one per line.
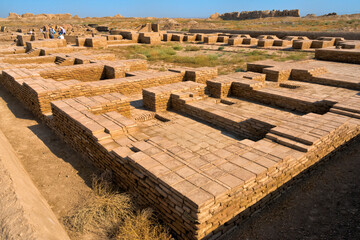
200 148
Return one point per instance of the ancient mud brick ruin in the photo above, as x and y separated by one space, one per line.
204 150
259 14
270 39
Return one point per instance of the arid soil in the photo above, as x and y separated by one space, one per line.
60 174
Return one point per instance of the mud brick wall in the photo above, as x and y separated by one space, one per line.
199 37
130 35
82 59
37 96
245 127
307 74
101 104
128 85
12 80
282 43
259 14
277 74
262 186
219 89
150 38
135 64
339 55
267 37
4 66
39 60
349 44
22 39
115 71
49 43
69 39
302 44
83 132
322 43
192 215
65 61
127 168
235 41
177 37
121 106
46 51
133 85
10 51
210 39
167 37
39 92
281 34
220 86
24 55
201 75
266 43
274 72
80 41
189 38
114 37
250 41
279 99
191 221
223 39
96 42
116 42
84 73
159 98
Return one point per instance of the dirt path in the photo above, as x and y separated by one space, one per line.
24 213
60 174
323 205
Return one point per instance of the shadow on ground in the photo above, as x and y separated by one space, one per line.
56 145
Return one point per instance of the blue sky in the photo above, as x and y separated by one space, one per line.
172 8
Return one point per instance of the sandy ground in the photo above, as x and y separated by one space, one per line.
60 174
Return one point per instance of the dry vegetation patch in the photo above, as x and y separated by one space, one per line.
194 55
113 215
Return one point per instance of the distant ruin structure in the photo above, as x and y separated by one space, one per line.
257 14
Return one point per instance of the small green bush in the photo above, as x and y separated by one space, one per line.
192 48
177 47
239 70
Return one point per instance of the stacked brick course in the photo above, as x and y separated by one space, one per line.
49 43
339 55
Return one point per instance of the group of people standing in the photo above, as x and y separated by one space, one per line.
52 32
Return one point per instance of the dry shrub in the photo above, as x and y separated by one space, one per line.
107 209
142 226
114 214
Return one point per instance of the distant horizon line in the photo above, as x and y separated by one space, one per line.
301 15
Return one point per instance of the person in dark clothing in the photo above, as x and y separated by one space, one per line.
51 33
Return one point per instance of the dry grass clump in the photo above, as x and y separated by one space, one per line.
108 208
225 59
190 48
114 215
142 226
